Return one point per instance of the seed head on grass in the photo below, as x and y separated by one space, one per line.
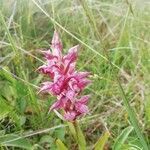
66 83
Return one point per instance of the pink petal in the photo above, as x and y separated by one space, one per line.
56 45
55 89
70 116
81 108
72 68
70 58
46 70
72 54
70 95
59 85
48 55
46 87
57 105
81 75
43 69
84 99
60 103
83 83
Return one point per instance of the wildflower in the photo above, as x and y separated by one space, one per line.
66 83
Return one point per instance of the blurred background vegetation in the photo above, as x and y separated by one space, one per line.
117 30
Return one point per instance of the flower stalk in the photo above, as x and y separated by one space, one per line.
80 137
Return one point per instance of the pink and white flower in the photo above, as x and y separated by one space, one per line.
66 83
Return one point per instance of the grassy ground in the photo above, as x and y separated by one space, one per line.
113 35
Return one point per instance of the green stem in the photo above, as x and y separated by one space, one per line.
80 137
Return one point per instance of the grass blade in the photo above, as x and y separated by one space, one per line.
122 138
60 145
21 143
133 119
102 141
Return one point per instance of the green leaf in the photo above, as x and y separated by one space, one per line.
122 138
59 133
102 141
133 118
60 145
7 140
46 139
6 76
134 147
5 108
147 108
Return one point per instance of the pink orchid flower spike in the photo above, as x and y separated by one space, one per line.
66 83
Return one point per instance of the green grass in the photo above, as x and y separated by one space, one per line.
115 48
